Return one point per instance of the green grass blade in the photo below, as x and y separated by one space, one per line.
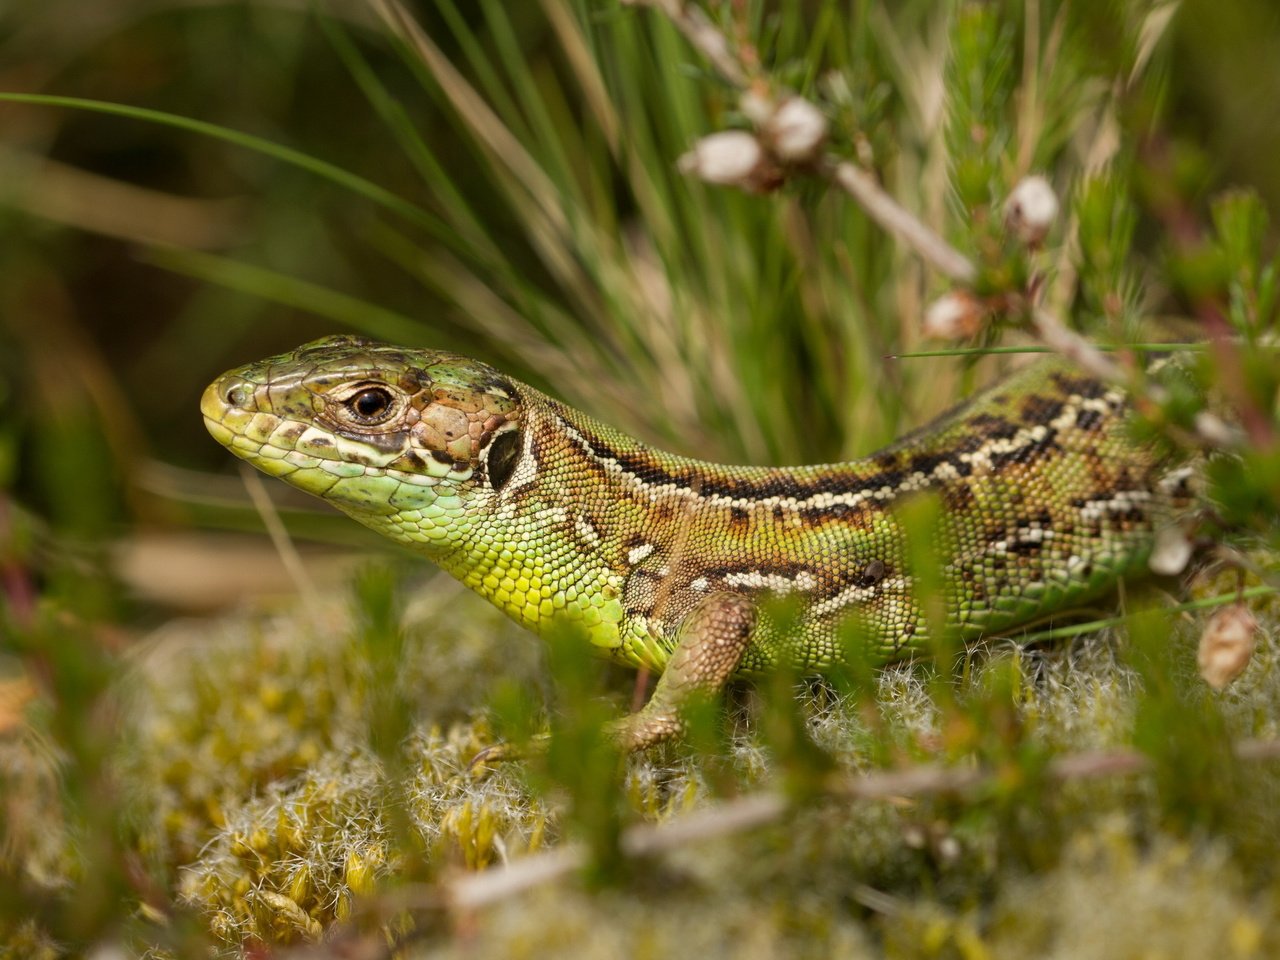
1092 626
462 218
277 287
277 151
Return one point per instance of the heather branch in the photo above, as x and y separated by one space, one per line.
848 176
890 215
702 34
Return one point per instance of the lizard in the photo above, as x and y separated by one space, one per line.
674 564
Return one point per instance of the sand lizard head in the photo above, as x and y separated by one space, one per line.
410 442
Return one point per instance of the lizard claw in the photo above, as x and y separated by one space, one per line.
497 753
494 753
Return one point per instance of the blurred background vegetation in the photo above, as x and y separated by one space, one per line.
500 180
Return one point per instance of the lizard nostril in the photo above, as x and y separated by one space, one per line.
236 394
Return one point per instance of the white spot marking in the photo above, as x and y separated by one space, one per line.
980 461
776 582
636 554
586 531
1121 502
846 597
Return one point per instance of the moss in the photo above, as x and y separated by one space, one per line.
219 714
33 837
567 922
28 942
255 794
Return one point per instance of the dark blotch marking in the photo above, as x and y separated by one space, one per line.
502 456
538 448
993 427
926 463
1182 490
1041 409
871 574
413 461
1028 452
1089 420
957 496
1086 387
496 384
382 442
892 479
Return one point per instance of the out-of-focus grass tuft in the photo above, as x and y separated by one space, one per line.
506 184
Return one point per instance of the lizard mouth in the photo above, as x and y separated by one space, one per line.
215 406
360 478
257 436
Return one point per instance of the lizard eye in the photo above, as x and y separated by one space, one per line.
504 451
372 405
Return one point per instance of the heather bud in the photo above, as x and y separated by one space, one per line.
953 316
1227 645
730 157
796 131
1031 209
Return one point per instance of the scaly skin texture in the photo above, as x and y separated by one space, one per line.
668 562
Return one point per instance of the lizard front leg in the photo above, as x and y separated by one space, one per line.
710 643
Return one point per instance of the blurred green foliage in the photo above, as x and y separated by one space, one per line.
503 183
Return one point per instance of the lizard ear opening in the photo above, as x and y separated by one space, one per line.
502 456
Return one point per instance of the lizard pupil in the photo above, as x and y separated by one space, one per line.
370 405
504 451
